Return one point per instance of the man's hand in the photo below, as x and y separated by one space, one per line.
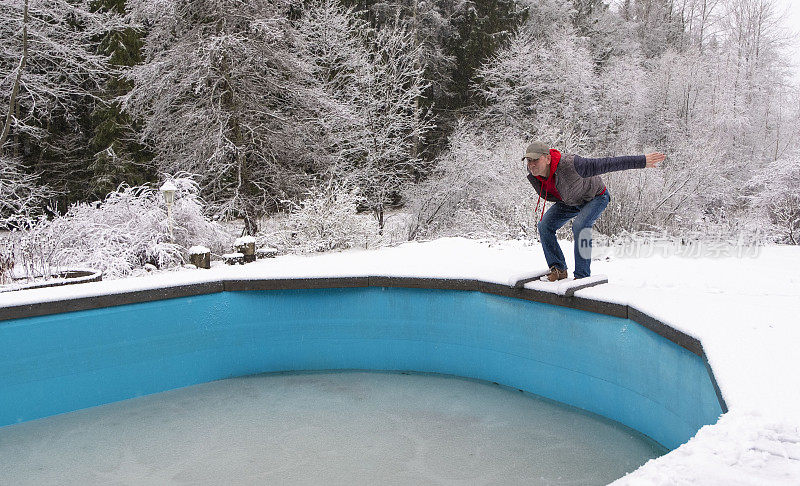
654 159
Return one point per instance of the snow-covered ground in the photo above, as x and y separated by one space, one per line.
743 308
746 312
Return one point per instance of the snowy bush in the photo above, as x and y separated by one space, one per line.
325 220
524 81
6 260
777 196
40 250
479 189
21 197
126 231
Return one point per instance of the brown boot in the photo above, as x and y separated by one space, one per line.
556 274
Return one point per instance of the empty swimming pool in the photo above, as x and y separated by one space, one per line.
604 364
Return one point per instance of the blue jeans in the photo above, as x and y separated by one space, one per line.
585 215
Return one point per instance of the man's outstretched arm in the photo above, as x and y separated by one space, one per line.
591 167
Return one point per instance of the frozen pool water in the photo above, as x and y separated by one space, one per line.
331 428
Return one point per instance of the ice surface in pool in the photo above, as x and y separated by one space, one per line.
343 428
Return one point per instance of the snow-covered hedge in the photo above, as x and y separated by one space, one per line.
6 260
126 231
326 220
777 199
21 197
478 189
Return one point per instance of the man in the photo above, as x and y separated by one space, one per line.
574 184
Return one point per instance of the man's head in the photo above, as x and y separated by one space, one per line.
537 158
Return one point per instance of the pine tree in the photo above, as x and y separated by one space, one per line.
116 155
50 72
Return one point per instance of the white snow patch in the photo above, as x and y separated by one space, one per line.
742 448
198 250
168 186
516 277
563 287
244 240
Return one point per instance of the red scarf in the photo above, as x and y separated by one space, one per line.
549 184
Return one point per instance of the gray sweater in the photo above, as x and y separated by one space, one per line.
577 179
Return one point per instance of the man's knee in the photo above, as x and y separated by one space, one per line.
583 241
544 227
581 231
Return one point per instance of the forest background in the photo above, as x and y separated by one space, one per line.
326 124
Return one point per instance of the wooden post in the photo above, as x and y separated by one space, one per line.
246 245
200 256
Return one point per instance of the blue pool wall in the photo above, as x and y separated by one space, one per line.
607 365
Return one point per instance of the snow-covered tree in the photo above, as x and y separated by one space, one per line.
478 188
657 24
224 93
430 23
392 121
116 155
594 21
536 78
698 17
622 101
337 53
48 65
373 80
22 198
778 199
454 37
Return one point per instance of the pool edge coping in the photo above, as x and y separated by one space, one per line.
625 311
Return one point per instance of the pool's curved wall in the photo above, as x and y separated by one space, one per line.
608 365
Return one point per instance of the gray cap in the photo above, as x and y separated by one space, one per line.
536 150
